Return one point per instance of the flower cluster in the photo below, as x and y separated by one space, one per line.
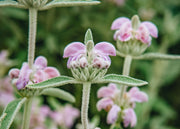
127 29
89 62
39 72
125 110
65 117
78 55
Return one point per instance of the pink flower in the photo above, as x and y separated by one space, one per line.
129 117
137 96
108 91
113 114
66 116
40 72
77 54
105 103
6 92
125 31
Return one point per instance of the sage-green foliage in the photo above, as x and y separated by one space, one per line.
59 26
10 112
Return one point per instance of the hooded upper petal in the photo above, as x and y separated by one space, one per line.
137 96
74 49
105 48
117 23
40 62
51 72
113 114
105 104
152 28
108 91
129 117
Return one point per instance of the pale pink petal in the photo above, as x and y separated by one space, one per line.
113 114
129 117
100 62
45 111
105 104
23 76
40 62
137 96
143 34
124 34
40 76
51 72
74 49
105 48
152 28
117 23
83 62
108 91
14 73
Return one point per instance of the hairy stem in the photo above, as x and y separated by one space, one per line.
126 70
27 113
32 35
85 104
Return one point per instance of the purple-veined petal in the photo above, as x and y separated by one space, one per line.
143 34
113 114
117 23
23 76
129 117
105 103
74 49
152 28
108 91
40 62
124 34
105 48
137 96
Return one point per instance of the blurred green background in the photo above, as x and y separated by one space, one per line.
60 26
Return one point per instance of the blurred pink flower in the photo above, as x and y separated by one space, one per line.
66 116
40 72
6 92
129 117
113 114
125 31
110 102
76 52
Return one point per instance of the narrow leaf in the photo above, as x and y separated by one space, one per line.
11 3
68 3
152 56
58 93
88 36
10 112
53 82
121 79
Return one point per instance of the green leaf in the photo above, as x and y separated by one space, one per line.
11 3
58 93
10 112
53 82
68 3
88 36
121 79
152 56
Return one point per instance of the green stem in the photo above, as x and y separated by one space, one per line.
126 70
27 113
85 104
32 35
